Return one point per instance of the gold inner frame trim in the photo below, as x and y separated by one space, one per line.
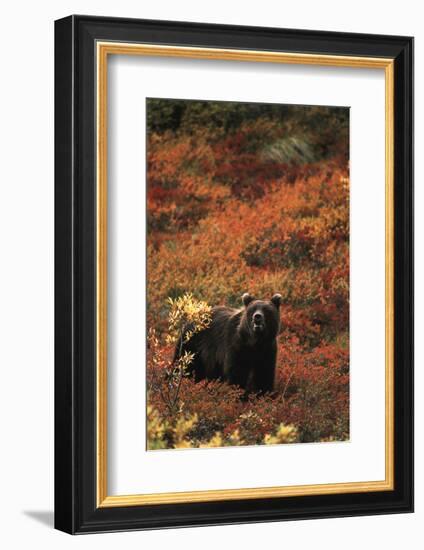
103 50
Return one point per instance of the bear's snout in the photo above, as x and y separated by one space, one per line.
258 321
258 317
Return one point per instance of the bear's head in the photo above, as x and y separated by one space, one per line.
261 318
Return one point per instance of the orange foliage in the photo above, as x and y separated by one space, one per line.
222 220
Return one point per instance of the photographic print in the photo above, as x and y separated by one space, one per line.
247 274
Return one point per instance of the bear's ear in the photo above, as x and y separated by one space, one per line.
247 298
276 300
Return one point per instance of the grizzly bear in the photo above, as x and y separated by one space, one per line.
239 346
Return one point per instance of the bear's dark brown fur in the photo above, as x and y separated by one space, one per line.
239 346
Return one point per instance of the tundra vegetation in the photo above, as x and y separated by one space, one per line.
248 198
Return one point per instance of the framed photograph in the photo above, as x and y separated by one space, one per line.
234 274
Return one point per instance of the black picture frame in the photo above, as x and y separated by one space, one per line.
76 509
